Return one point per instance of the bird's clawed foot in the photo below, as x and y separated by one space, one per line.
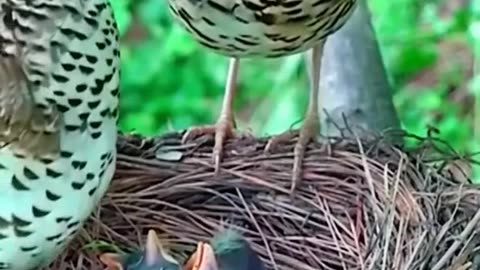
223 129
307 133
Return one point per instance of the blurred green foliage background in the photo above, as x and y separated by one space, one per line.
430 49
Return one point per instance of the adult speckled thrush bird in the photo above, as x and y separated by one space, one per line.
265 28
59 84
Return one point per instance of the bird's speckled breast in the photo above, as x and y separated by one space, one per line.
269 28
43 202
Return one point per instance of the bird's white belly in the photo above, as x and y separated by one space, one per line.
43 206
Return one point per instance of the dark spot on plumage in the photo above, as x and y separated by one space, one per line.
266 18
63 108
21 233
66 154
27 249
53 237
37 72
71 9
105 112
72 33
50 101
104 156
77 185
86 70
109 61
235 47
115 92
246 42
115 113
68 67
19 222
96 90
91 22
63 219
116 52
4 223
90 176
81 87
36 82
293 3
72 127
8 16
109 77
93 104
76 164
60 78
37 212
73 224
3 236
29 174
84 116
91 59
100 45
208 45
59 93
17 185
92 13
74 102
52 173
185 15
95 124
100 7
100 175
110 160
299 17
76 55
208 21
91 192
52 196
18 156
2 166
46 161
96 135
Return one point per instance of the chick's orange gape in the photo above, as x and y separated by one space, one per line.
202 259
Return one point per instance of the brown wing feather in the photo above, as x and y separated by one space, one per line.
28 126
28 129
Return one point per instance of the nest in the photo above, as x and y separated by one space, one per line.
361 205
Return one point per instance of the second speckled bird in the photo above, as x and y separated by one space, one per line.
268 28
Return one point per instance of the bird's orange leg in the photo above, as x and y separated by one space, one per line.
311 125
225 126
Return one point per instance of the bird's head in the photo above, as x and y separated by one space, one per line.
226 251
153 257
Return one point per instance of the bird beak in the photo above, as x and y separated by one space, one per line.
154 251
111 261
202 259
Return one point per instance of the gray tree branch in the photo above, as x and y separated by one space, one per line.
353 80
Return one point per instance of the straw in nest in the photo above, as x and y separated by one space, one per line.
368 205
